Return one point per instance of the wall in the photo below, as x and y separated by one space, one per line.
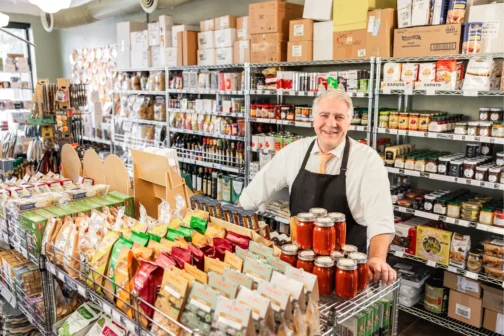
48 62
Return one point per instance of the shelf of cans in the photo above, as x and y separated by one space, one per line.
210 160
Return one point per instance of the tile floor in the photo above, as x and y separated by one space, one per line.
410 325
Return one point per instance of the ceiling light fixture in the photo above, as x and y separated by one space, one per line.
52 6
4 20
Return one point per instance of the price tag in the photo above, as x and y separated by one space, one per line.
452 269
482 227
386 90
51 268
116 316
82 290
408 90
399 254
470 93
360 94
430 92
107 309
471 275
431 263
61 276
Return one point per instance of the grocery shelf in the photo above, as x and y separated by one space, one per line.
211 165
450 220
441 136
143 121
466 93
212 135
140 69
447 322
435 58
475 276
446 178
274 92
195 91
97 140
145 92
220 114
312 63
204 67
282 122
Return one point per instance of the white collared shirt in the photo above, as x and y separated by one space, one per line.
367 183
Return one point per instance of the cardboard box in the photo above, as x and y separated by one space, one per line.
156 57
225 38
241 52
180 28
427 41
154 34
272 16
462 284
224 22
299 51
380 32
404 9
493 321
187 49
165 31
139 40
206 40
124 30
322 41
207 25
242 31
224 55
420 13
493 299
352 14
492 15
320 10
441 239
206 57
465 308
141 58
169 57
268 48
349 44
439 11
301 30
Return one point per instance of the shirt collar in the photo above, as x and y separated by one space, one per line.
337 152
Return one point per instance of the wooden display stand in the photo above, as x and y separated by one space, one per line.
116 175
71 163
93 167
156 181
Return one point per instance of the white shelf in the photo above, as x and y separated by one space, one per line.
274 92
450 220
211 165
144 92
212 135
466 93
220 114
195 91
435 58
442 136
446 178
282 122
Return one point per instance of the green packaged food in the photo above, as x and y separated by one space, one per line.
140 238
128 202
198 224
173 234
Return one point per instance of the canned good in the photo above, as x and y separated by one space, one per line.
269 142
254 145
288 140
279 141
261 141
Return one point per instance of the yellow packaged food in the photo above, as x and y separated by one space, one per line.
99 263
433 244
62 240
125 270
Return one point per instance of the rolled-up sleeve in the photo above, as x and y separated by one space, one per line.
268 180
376 200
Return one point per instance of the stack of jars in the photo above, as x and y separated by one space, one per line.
281 112
321 249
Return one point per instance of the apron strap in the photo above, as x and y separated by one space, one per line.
307 155
346 154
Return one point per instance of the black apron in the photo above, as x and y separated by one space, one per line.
312 190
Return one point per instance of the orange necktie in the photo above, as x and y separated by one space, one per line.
323 160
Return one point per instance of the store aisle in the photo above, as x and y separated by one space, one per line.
410 325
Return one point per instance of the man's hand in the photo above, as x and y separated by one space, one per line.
378 268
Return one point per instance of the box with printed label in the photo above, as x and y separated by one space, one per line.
322 41
225 38
301 30
420 12
169 57
124 30
494 321
241 52
141 58
268 48
462 284
179 28
242 31
439 9
207 25
206 40
352 14
427 41
465 308
224 55
154 34
404 8
380 32
165 31
433 244
493 299
139 40
157 61
272 16
492 16
349 44
206 57
320 10
300 51
224 22
187 46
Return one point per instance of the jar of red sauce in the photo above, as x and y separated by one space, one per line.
347 279
347 249
305 260
289 254
336 255
304 230
324 270
362 269
318 212
339 220
324 236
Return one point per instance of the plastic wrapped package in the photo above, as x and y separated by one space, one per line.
409 302
409 291
160 109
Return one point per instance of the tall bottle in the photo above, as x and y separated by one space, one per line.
194 178
199 180
214 184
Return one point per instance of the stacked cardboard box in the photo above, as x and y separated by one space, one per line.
300 46
216 40
241 48
124 41
161 41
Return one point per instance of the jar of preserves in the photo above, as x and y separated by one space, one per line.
470 168
305 260
253 110
486 215
324 270
324 236
440 206
420 163
496 114
347 279
499 217
443 165
473 128
409 163
304 230
362 269
494 174
318 212
486 148
403 121
475 260
485 129
365 119
484 114
289 254
336 255
414 120
472 150
339 221
481 173
460 128
431 164
429 202
347 249
499 161
498 129
425 119
383 121
456 168
399 161
418 203
394 120
453 209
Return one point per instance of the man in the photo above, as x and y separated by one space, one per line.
337 173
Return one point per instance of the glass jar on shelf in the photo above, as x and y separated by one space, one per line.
414 120
362 269
499 217
305 260
484 114
347 279
475 260
496 114
425 119
440 206
289 254
498 129
485 129
486 215
453 209
429 201
324 270
394 120
403 121
383 120
473 128
339 221
460 128
304 230
324 236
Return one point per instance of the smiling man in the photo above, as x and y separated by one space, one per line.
337 173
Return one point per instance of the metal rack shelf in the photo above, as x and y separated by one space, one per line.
211 135
143 121
211 165
446 178
204 159
144 92
441 136
140 69
204 67
466 93
220 114
97 140
195 91
314 63
282 122
273 92
447 322
435 58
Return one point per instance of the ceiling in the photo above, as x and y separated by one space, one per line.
25 7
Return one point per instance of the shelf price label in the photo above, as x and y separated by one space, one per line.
50 268
399 254
82 290
470 93
61 276
431 263
471 275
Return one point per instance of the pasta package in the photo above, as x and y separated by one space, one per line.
72 255
99 263
110 285
145 283
125 270
50 233
62 239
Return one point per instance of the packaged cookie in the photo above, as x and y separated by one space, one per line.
146 281
160 109
494 247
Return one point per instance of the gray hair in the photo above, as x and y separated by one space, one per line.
336 94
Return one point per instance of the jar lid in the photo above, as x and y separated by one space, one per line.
349 248
496 109
484 109
290 249
414 114
473 123
486 124
498 123
461 124
384 113
488 209
324 222
473 145
306 255
318 212
358 257
337 216
500 154
347 264
305 217
471 162
456 203
444 159
430 197
495 170
324 261
337 255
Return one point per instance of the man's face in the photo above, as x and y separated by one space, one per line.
331 123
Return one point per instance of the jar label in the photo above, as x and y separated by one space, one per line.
480 176
483 131
442 168
399 164
485 150
471 131
420 166
484 116
431 167
439 209
495 116
453 211
409 165
469 173
486 218
500 162
492 178
427 206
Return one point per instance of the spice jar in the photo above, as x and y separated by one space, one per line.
453 209
289 254
393 120
425 119
324 236
318 212
324 270
347 249
484 129
496 114
429 202
494 174
347 279
304 230
499 161
472 128
484 114
305 260
498 129
475 260
470 168
472 150
362 269
339 220
486 215
414 119
481 173
443 165
440 206
460 128
403 121
456 168
337 255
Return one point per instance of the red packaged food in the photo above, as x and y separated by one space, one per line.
209 251
237 239
197 255
181 256
165 261
221 246
146 281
